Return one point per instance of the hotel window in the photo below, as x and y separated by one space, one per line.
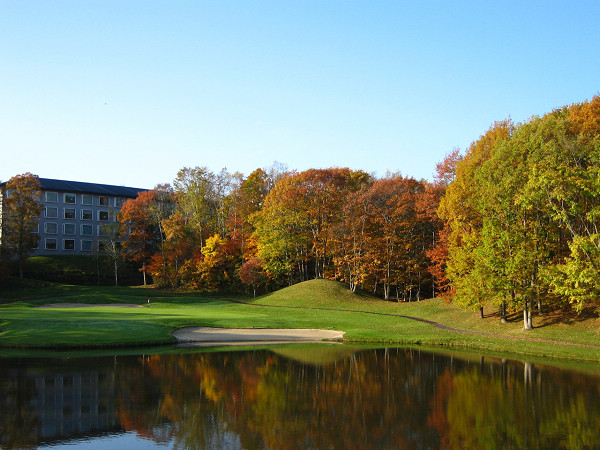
87 199
86 246
119 201
69 198
103 216
51 197
69 213
87 230
69 244
69 229
102 230
86 214
103 200
50 244
51 212
37 228
50 228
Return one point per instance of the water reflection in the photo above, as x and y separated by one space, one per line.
299 397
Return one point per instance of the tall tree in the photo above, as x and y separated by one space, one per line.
143 232
252 274
197 197
20 216
249 199
463 214
111 248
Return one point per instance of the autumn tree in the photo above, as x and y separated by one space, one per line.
428 205
280 229
352 240
21 212
394 249
296 226
143 230
217 267
249 199
252 274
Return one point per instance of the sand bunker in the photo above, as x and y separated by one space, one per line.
205 336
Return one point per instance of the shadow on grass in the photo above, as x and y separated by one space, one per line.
567 315
553 315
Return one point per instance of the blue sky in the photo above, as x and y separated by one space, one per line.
129 92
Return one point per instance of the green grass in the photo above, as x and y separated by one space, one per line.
313 304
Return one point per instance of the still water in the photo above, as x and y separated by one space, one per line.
308 396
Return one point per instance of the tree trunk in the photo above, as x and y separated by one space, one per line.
527 322
116 273
503 311
481 316
386 290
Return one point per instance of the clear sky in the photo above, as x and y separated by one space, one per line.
129 92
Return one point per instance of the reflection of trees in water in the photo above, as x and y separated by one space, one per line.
371 399
375 398
517 406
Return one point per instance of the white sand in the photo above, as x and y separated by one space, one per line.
248 336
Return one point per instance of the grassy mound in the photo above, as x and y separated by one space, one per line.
317 293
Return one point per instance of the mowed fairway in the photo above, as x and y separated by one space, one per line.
319 304
28 323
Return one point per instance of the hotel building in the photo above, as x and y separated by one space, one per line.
74 214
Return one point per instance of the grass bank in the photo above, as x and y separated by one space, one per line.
313 304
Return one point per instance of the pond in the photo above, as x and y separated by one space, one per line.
296 396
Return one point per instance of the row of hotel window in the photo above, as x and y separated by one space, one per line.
71 228
69 244
84 199
69 213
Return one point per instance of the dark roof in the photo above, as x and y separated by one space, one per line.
49 184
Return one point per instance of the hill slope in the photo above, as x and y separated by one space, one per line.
318 293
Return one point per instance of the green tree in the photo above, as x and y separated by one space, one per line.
565 183
463 212
195 190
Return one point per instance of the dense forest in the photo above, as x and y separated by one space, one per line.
216 231
512 222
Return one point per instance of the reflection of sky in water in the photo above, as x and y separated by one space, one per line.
131 440
127 440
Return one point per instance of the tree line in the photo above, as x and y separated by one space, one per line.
216 231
